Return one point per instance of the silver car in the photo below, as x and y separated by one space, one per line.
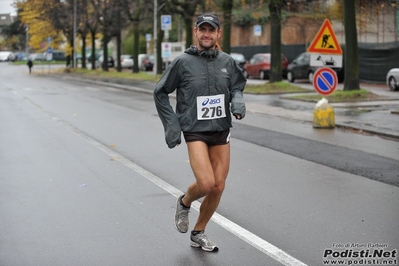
126 61
393 79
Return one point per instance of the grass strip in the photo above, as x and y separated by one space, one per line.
339 96
274 88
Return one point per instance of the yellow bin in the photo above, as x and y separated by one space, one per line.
323 115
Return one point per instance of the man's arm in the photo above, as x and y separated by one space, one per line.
169 119
238 82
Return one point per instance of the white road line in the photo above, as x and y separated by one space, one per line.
245 235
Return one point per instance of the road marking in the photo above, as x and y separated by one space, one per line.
245 235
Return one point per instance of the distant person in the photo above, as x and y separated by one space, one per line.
30 65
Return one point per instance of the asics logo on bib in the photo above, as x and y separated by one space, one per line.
212 101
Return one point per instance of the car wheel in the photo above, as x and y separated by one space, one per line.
245 74
310 77
290 76
392 84
262 75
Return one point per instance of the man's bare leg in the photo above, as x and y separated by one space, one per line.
210 166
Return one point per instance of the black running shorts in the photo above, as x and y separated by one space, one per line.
209 138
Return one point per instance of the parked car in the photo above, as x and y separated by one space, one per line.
127 61
88 58
37 57
100 60
7 56
393 79
21 56
300 68
259 66
240 60
147 62
59 55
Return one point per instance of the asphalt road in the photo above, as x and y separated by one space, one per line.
87 179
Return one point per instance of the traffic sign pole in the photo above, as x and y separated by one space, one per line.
326 52
166 22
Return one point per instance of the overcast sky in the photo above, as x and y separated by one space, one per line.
5 6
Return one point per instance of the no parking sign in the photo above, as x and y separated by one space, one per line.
325 81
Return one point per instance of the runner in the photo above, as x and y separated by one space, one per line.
208 86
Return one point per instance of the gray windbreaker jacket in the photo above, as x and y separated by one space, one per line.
194 74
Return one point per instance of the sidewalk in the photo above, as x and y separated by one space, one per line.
372 117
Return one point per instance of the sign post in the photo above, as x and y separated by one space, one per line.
148 38
166 25
166 21
166 52
257 32
325 52
49 54
325 81
325 49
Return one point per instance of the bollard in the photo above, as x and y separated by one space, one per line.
323 115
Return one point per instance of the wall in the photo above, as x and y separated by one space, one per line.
297 30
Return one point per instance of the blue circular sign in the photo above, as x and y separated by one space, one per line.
325 81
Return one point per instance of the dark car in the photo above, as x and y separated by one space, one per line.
59 55
100 60
259 66
300 68
147 62
240 60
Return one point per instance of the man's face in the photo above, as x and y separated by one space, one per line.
207 36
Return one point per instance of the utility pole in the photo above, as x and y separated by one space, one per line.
155 37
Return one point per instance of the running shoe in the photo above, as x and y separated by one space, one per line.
181 216
202 241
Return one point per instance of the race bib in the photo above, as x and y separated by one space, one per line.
210 107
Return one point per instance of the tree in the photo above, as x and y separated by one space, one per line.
227 7
135 10
35 15
84 27
275 7
351 57
105 12
92 23
187 9
60 15
15 35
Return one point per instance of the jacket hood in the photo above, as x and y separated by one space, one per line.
193 50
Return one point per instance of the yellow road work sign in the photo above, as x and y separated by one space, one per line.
325 41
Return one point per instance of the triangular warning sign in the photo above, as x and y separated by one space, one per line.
325 41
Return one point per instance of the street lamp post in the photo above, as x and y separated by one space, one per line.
155 38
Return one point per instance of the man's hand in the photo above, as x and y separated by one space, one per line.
237 116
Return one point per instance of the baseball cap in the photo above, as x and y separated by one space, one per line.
208 18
